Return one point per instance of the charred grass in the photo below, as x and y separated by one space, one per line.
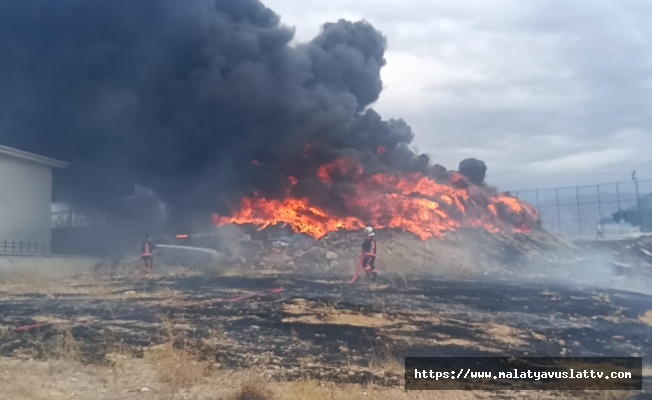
184 354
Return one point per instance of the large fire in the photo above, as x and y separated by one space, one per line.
413 202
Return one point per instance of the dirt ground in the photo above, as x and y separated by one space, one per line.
266 333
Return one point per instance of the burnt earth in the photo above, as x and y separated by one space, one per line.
346 333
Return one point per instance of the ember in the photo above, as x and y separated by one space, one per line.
412 202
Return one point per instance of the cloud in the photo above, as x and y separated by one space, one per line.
586 160
545 91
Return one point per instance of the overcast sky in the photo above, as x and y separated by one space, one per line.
547 92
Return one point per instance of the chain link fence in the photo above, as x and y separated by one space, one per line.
23 247
620 207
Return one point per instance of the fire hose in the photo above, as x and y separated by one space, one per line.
357 272
190 248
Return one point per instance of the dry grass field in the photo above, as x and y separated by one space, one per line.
120 335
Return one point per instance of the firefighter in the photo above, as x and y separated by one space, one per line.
369 253
147 253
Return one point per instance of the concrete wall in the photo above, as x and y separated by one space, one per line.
53 266
25 200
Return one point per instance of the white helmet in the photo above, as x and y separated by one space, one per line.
369 231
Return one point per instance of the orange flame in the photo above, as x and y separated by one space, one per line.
297 213
412 202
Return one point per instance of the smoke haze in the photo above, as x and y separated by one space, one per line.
203 101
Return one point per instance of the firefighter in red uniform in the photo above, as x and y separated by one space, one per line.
369 253
147 252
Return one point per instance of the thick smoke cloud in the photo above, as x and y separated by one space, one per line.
474 170
203 101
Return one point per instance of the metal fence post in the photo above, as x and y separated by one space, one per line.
558 212
597 187
639 214
579 213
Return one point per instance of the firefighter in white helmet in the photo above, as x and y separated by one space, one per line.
369 253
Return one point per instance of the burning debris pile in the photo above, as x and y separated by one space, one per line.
425 204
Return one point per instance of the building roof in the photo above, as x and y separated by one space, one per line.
24 155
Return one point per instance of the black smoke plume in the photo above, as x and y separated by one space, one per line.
202 101
474 170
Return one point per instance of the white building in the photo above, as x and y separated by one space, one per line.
25 201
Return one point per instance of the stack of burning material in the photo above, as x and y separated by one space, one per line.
316 221
351 199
